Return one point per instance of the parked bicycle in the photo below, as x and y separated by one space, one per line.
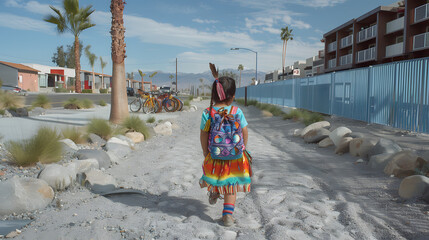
150 104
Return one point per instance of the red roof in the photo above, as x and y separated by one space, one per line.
19 66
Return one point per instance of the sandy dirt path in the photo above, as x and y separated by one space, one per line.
298 192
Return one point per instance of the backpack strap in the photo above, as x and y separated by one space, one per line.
233 110
212 113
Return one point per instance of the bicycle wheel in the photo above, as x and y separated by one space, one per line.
148 106
169 105
179 104
157 104
135 105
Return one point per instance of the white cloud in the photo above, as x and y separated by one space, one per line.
204 21
31 6
267 4
150 31
25 23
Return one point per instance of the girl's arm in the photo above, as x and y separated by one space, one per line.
204 138
245 135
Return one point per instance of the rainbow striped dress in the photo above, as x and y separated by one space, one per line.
225 176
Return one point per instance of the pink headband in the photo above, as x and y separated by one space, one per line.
220 91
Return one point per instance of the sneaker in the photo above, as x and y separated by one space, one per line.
228 220
213 196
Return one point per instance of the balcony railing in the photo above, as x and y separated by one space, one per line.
421 13
346 59
395 25
421 41
367 33
366 55
395 49
332 46
347 41
332 63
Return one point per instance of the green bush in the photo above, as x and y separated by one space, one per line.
252 102
87 103
42 101
74 134
312 117
151 120
2 112
86 90
10 101
61 90
102 103
100 127
73 103
44 147
103 90
294 114
135 124
190 98
187 103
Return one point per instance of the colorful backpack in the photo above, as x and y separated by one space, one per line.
226 135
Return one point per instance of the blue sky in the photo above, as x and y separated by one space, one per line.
194 31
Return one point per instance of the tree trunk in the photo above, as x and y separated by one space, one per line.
77 85
285 45
283 61
119 100
93 80
239 85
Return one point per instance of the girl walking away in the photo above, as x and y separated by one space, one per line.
226 167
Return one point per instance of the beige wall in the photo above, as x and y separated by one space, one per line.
29 81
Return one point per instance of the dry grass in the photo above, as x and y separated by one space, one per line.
10 101
101 128
135 124
75 134
42 101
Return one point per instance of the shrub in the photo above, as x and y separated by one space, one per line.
44 147
294 114
135 124
42 101
61 90
190 98
252 102
73 103
10 101
187 103
86 90
87 103
102 103
74 134
150 120
103 90
239 101
100 127
2 112
312 117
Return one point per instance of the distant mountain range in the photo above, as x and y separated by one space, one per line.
186 80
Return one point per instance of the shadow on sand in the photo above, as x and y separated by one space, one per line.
175 206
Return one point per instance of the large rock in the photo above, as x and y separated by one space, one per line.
163 129
317 125
404 164
265 113
68 146
126 139
343 145
338 134
359 147
414 187
99 182
384 146
57 176
20 195
380 161
86 165
327 142
118 147
316 135
136 137
101 156
297 132
96 140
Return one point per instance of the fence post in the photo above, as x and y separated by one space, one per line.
245 96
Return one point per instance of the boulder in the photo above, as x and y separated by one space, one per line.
101 156
380 161
343 145
118 147
404 164
414 186
57 176
99 182
163 129
68 146
338 134
327 142
316 135
37 111
19 112
126 139
96 140
357 135
136 137
266 113
359 147
193 108
384 146
297 132
86 165
20 195
313 126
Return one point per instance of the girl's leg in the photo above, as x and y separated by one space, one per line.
230 198
228 209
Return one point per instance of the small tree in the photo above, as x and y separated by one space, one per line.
91 58
142 76
103 65
285 35
240 68
151 76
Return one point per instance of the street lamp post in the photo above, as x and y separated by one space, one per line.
256 74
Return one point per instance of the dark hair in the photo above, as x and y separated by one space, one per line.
228 85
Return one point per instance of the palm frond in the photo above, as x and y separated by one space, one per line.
71 7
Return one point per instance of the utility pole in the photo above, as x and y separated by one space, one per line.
176 77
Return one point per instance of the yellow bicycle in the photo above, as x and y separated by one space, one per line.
150 104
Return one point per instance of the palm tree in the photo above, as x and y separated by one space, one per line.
142 75
74 20
240 68
91 58
151 76
202 84
286 35
103 65
119 105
